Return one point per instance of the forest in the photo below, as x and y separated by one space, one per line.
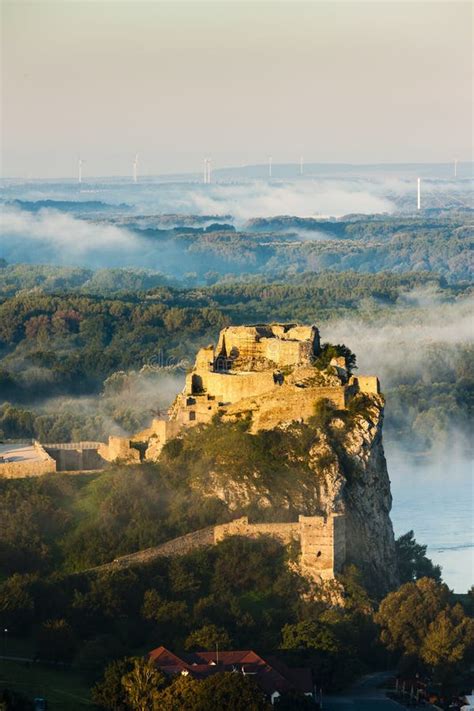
86 352
73 350
276 248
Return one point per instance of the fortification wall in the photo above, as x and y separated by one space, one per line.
322 545
366 383
38 465
285 532
175 547
322 541
20 470
161 432
76 456
231 387
285 352
285 404
281 344
119 449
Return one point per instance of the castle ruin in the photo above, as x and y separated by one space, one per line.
265 372
321 540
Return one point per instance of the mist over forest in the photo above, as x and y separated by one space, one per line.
236 356
108 291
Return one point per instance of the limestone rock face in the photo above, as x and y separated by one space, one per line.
345 472
270 376
359 487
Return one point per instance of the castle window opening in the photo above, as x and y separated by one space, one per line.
278 378
192 415
318 554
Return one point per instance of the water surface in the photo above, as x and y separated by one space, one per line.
434 496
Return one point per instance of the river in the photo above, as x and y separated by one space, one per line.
434 496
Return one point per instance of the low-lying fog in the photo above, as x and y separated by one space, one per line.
433 492
432 495
60 235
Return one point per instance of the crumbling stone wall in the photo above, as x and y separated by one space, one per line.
321 538
322 545
279 344
285 404
175 547
366 383
233 386
119 449
285 532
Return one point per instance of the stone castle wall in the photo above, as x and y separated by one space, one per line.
285 532
40 465
366 383
76 456
286 403
322 542
119 449
175 547
230 387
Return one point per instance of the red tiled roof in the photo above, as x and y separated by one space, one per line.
272 675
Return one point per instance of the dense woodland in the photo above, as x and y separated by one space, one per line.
279 247
241 593
72 350
85 352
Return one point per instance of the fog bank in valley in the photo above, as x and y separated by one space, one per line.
433 491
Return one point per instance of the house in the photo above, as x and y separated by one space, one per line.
271 675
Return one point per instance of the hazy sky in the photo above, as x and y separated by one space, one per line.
175 81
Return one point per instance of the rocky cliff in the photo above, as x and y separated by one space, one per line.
312 468
275 426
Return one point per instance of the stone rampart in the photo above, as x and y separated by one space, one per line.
37 463
322 545
234 386
366 383
175 547
119 449
285 532
279 344
322 542
286 404
76 456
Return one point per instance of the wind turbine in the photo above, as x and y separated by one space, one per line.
418 202
301 165
270 163
79 170
135 169
207 171
455 167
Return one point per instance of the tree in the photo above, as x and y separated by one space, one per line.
329 351
405 615
182 693
109 693
449 639
208 638
412 561
162 611
311 634
56 641
17 604
227 690
141 685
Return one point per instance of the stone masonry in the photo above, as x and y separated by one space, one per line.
321 539
264 371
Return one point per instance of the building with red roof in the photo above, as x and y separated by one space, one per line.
271 675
